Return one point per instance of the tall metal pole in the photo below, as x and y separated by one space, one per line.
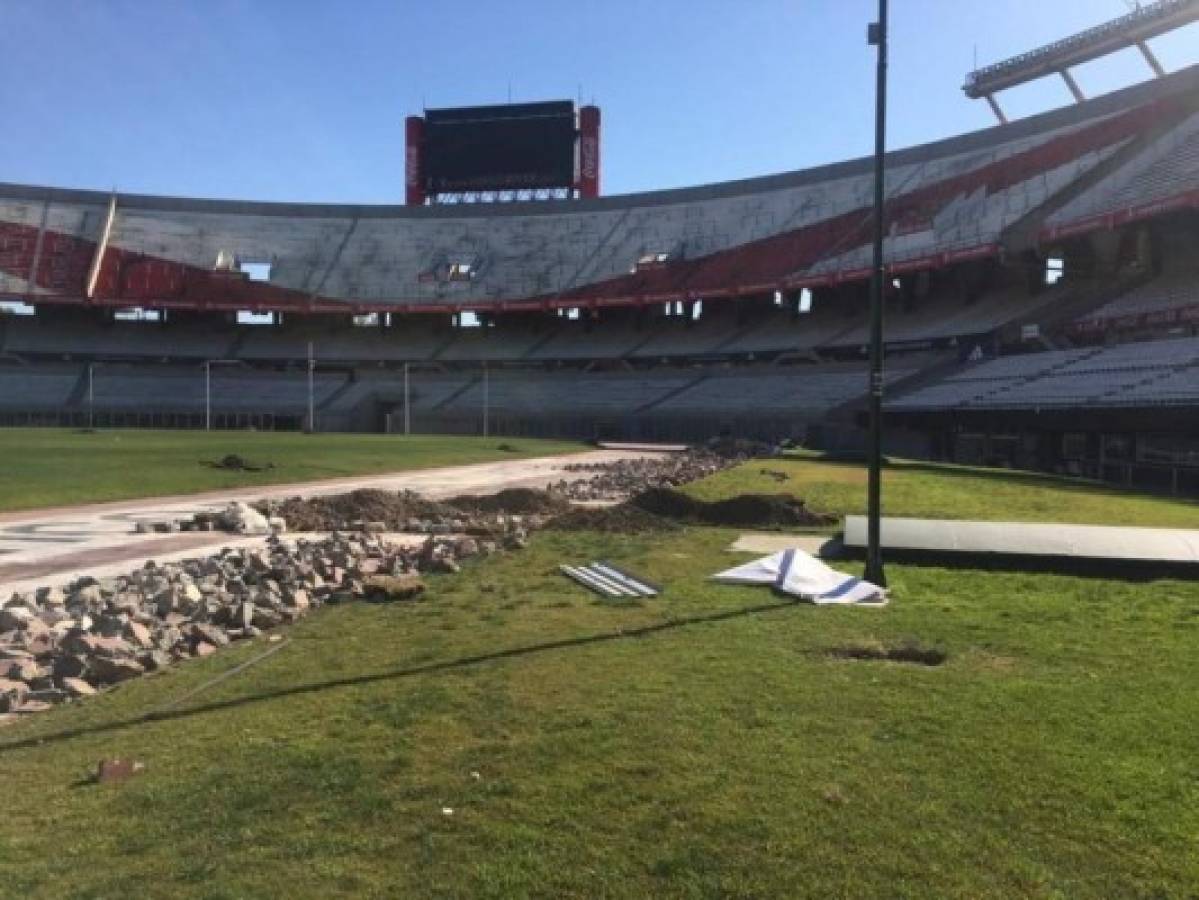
407 405
91 396
311 390
874 558
486 400
208 395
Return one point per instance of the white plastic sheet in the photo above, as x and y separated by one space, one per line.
799 574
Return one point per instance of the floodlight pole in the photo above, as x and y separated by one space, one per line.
311 390
874 559
407 405
486 399
91 396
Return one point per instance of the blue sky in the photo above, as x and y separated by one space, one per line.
305 99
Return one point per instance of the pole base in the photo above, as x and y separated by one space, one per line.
874 573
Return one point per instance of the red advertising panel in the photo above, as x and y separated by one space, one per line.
589 151
414 150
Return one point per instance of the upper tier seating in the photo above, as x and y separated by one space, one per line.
1173 291
949 317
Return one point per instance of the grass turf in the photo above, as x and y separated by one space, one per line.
48 467
726 753
937 491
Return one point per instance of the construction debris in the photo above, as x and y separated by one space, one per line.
63 644
799 574
608 581
623 478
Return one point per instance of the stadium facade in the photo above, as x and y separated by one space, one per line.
1042 309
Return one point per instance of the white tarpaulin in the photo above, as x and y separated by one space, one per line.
802 575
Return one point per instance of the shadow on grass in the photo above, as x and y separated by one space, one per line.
392 674
1021 477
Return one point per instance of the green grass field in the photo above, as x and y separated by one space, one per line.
937 491
725 753
48 467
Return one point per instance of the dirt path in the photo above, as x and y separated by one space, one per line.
60 543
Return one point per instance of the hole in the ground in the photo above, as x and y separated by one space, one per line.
907 652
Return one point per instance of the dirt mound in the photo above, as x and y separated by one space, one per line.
339 511
234 463
744 510
764 510
622 519
514 501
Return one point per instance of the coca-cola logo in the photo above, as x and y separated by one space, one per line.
589 157
412 166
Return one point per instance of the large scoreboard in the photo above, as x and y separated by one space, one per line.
512 149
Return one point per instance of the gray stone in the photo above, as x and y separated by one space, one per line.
244 615
69 666
108 670
21 670
11 694
265 617
27 707
89 596
154 660
139 635
52 596
77 687
394 587
14 617
208 633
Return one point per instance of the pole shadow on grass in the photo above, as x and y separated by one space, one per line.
462 662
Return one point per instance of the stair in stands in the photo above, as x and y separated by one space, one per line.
669 395
75 398
347 385
454 395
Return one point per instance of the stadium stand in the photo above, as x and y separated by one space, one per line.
1170 294
673 314
1149 372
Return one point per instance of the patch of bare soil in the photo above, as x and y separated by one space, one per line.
757 510
514 501
234 463
907 652
621 519
338 511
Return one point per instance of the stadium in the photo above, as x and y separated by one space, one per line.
1022 260
505 542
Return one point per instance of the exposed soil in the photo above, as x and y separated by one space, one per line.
234 463
622 519
334 511
515 501
909 652
757 510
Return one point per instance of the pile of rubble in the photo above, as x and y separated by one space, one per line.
625 478
237 517
500 515
57 644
